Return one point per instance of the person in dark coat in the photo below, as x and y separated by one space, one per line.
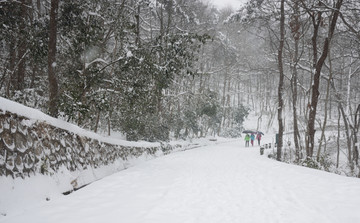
258 137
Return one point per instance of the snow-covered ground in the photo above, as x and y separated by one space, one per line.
18 194
216 183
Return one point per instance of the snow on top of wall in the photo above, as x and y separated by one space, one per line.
36 115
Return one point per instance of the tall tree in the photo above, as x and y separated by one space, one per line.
318 65
296 34
281 80
53 82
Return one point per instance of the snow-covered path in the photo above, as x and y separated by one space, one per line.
219 183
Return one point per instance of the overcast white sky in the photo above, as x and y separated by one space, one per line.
224 3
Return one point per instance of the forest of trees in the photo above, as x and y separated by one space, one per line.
316 47
161 69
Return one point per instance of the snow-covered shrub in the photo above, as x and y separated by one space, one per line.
311 163
233 132
325 162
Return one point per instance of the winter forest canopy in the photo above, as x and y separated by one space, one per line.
161 69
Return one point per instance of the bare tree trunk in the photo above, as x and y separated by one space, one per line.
109 123
355 130
97 121
295 28
348 139
326 109
281 81
346 124
12 58
316 85
137 31
330 109
338 140
310 132
53 83
22 47
223 101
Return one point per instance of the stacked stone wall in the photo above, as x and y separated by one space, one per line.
28 147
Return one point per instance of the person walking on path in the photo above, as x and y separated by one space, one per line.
258 137
252 139
247 139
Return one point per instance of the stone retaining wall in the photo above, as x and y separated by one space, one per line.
28 147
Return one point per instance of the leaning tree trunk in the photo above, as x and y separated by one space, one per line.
346 124
322 138
348 138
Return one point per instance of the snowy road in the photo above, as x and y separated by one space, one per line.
220 183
